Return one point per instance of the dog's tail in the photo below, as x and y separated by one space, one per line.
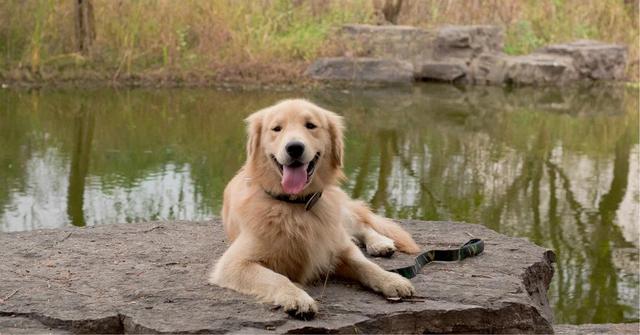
401 238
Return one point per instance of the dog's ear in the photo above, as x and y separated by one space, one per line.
254 132
336 128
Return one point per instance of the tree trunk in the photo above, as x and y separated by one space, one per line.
85 25
387 10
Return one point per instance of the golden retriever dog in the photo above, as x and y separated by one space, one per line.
289 222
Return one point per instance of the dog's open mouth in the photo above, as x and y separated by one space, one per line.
296 175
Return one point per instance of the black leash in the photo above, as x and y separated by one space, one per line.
470 249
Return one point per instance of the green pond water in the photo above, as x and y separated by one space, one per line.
558 167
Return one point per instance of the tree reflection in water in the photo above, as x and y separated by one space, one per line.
84 123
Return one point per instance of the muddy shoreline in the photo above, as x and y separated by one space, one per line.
215 82
267 76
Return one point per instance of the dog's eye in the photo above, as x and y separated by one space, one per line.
309 125
276 128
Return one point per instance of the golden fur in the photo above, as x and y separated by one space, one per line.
275 243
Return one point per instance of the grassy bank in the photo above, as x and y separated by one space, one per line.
264 40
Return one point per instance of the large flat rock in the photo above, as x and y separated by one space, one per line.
442 71
151 277
369 70
406 43
417 45
467 42
593 60
533 69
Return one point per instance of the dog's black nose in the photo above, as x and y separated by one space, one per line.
295 149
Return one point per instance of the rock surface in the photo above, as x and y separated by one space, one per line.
404 43
151 277
534 69
24 325
471 54
442 71
418 45
373 70
592 59
467 42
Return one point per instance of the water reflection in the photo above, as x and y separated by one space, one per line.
84 122
558 167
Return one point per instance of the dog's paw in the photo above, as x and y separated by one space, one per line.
299 305
304 316
382 246
395 286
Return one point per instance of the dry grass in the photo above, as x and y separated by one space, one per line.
173 36
244 38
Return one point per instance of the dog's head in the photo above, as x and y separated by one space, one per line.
294 147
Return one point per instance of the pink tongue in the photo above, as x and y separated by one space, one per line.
294 178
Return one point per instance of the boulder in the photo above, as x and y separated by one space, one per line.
552 65
365 70
403 43
487 69
436 54
151 277
441 71
419 45
533 69
539 69
592 59
466 42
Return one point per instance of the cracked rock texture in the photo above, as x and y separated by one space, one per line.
151 278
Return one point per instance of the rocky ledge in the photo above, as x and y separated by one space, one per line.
463 54
151 278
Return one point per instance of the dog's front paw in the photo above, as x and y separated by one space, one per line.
382 246
298 304
395 286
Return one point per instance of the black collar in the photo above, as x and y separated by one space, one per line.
308 200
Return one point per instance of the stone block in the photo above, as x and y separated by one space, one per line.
466 42
533 69
404 43
441 71
365 70
592 59
539 69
